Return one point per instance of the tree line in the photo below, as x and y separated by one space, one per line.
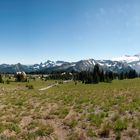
99 75
95 76
88 77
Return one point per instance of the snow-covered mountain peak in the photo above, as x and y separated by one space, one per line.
119 64
50 63
137 55
127 58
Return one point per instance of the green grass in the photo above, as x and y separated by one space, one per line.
120 125
93 111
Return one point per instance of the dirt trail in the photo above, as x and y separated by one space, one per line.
50 86
60 132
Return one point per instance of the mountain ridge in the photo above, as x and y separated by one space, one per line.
132 60
120 64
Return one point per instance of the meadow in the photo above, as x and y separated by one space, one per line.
70 111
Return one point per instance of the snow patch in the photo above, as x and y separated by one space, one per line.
127 58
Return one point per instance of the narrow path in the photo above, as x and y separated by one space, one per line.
48 87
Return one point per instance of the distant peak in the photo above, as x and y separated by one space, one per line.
48 61
128 58
138 55
127 55
59 61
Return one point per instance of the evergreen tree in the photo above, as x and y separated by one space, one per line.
132 74
121 76
89 78
102 78
1 80
96 74
108 76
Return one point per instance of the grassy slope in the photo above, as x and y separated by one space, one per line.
70 111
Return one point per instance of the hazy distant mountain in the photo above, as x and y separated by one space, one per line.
124 63
132 61
50 66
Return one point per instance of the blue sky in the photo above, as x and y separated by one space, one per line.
32 31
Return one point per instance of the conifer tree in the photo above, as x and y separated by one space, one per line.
1 80
96 74
102 79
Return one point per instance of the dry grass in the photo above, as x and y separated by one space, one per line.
70 112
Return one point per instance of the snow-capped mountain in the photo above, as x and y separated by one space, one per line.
82 65
132 61
124 63
89 64
48 64
128 58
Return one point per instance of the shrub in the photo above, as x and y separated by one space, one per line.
60 82
90 133
95 119
71 123
30 86
118 136
44 131
13 127
104 133
7 82
120 125
21 77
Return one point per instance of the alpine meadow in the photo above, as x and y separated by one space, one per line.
69 70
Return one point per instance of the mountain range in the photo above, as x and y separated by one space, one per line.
123 63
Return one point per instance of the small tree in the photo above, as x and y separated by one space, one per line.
1 80
21 77
7 81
